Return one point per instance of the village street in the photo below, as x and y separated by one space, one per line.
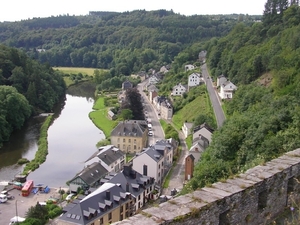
177 174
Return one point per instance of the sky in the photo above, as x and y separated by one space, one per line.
16 10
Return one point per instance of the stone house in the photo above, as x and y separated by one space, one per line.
126 85
130 136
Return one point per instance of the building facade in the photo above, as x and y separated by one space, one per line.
130 136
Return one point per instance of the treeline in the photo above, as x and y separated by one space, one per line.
263 117
26 88
128 42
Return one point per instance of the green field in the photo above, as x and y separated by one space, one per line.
192 110
76 70
100 119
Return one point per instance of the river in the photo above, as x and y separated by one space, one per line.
72 138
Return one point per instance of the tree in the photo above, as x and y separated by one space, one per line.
126 114
38 212
133 102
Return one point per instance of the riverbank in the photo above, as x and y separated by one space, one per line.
42 152
100 115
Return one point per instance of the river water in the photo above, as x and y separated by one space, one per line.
72 139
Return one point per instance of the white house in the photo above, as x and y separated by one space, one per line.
186 129
189 67
179 89
153 161
153 80
227 89
221 80
202 130
194 80
109 156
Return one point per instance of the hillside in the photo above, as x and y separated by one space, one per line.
122 42
263 118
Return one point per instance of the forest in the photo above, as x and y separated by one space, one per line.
26 88
121 42
263 118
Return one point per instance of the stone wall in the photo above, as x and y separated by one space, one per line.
254 197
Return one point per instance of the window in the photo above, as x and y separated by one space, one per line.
158 174
129 140
118 139
101 221
109 216
134 141
126 206
121 217
139 198
121 209
118 145
134 147
124 140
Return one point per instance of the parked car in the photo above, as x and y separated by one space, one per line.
3 198
16 219
8 196
150 133
70 196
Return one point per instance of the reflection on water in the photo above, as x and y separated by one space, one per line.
72 138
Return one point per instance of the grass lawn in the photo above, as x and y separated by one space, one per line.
100 119
99 104
76 70
189 141
192 110
164 124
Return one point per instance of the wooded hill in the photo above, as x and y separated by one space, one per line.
123 42
263 118
26 88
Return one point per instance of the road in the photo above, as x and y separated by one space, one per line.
214 98
158 132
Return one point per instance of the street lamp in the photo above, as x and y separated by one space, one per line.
16 210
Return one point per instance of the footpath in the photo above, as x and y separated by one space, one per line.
177 174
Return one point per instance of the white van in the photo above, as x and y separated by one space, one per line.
3 198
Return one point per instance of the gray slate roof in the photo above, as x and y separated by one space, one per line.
155 155
93 204
132 128
109 154
91 173
133 179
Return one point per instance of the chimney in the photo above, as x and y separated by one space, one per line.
127 187
145 170
127 169
107 195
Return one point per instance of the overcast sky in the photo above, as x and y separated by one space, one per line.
15 10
